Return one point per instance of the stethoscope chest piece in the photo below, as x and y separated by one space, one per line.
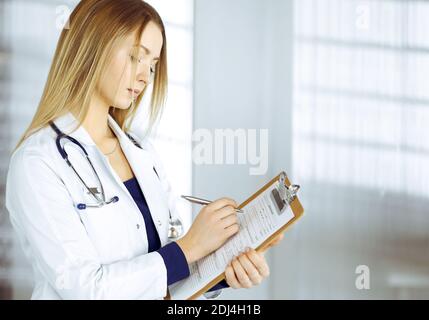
175 229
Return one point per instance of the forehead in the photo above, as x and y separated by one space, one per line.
151 39
152 35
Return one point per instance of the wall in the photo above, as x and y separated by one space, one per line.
243 74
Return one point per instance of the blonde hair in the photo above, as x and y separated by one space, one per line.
84 50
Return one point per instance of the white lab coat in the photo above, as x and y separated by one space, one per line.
96 253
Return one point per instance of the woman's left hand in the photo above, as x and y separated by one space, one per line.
249 268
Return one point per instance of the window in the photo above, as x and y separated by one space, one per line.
361 108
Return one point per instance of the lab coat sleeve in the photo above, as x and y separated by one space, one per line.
42 212
173 199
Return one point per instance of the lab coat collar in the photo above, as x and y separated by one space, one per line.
120 134
68 122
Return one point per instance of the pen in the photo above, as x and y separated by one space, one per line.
203 201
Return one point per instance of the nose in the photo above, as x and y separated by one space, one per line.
143 73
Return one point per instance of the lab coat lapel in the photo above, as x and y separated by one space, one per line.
142 164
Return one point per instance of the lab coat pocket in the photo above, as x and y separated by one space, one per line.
107 229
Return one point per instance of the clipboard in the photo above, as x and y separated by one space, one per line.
287 193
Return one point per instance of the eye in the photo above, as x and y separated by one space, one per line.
134 58
153 68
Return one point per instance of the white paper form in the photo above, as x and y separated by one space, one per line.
261 218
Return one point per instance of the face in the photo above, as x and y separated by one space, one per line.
119 85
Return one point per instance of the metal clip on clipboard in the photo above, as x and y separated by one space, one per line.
287 193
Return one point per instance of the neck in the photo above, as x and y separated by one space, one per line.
96 121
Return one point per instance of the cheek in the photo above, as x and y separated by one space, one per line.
114 84
118 74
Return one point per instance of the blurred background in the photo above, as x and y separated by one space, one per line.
340 86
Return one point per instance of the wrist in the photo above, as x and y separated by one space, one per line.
188 250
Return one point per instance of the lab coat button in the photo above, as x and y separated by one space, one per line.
138 226
159 223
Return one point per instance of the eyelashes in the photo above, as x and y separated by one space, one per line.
139 60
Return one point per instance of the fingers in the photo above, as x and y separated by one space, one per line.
241 274
259 262
225 211
220 203
250 269
229 220
277 240
230 278
232 229
273 243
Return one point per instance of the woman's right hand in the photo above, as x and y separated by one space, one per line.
213 226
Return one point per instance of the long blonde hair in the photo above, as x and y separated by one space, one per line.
84 50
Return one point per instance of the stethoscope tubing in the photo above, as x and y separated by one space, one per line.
176 228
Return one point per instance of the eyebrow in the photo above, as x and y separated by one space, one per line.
147 51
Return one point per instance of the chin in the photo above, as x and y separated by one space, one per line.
123 105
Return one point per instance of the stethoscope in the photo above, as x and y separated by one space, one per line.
175 226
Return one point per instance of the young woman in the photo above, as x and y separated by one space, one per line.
89 200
